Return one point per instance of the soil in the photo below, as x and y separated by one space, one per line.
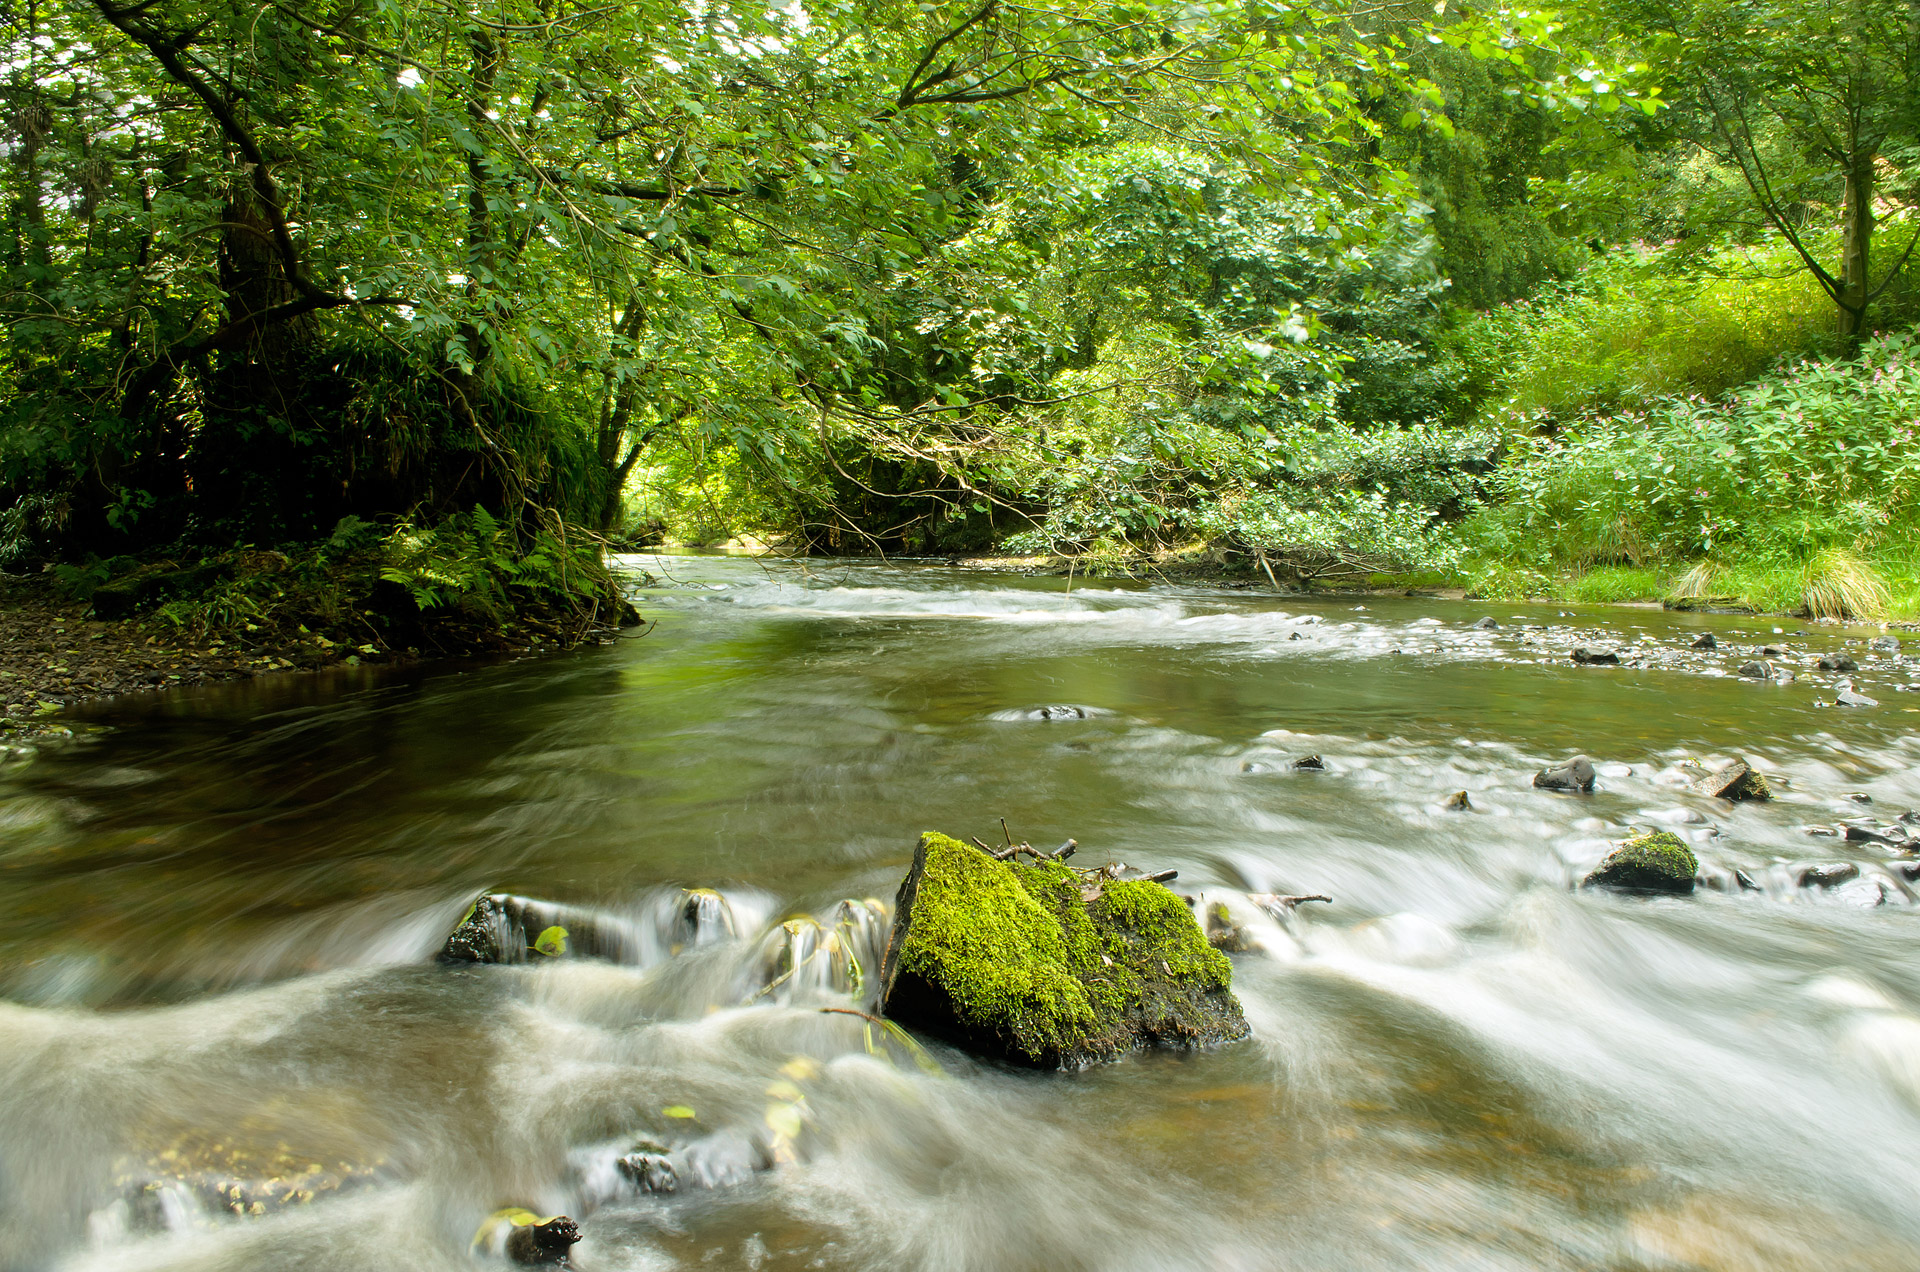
53 654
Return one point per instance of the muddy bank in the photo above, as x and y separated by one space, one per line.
53 654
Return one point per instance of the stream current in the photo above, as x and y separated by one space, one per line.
217 974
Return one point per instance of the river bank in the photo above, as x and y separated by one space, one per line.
1890 594
54 654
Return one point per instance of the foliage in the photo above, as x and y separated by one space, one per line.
1806 103
1638 325
1800 471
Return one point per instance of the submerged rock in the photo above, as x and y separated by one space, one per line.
1755 671
1826 875
1595 657
1660 862
501 928
1575 775
1486 625
1884 644
1223 933
1848 698
524 1237
1737 781
1048 966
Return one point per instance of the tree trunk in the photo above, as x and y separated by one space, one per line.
1856 237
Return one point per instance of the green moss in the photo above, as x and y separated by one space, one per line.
1659 862
1022 954
1000 955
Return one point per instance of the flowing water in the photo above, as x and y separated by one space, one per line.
220 993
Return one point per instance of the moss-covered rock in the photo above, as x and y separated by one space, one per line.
1660 862
1044 966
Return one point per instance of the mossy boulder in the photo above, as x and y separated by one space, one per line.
1660 862
1042 965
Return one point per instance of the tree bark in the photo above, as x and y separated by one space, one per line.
1856 238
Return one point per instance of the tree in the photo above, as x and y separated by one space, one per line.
1813 102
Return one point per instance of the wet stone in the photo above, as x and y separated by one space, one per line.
1706 641
1849 698
1659 862
1575 775
1487 624
1458 802
1736 781
1223 933
1309 763
502 928
649 1168
1826 875
1837 662
1884 644
1595 657
1755 671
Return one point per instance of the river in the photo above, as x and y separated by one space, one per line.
223 907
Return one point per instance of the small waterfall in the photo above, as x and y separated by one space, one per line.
806 958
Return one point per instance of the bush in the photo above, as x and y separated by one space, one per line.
1805 472
1637 327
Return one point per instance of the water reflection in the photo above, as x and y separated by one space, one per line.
223 914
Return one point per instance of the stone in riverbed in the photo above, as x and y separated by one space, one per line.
1045 966
1660 862
1838 662
1848 698
1884 644
1737 781
1706 641
1825 876
1458 802
525 1238
1595 657
1487 624
501 928
1575 775
1309 763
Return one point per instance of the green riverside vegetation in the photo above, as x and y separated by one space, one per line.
397 317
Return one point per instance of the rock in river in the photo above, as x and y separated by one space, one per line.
1575 775
1660 862
1048 966
501 928
526 1238
1737 781
1706 641
1595 657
